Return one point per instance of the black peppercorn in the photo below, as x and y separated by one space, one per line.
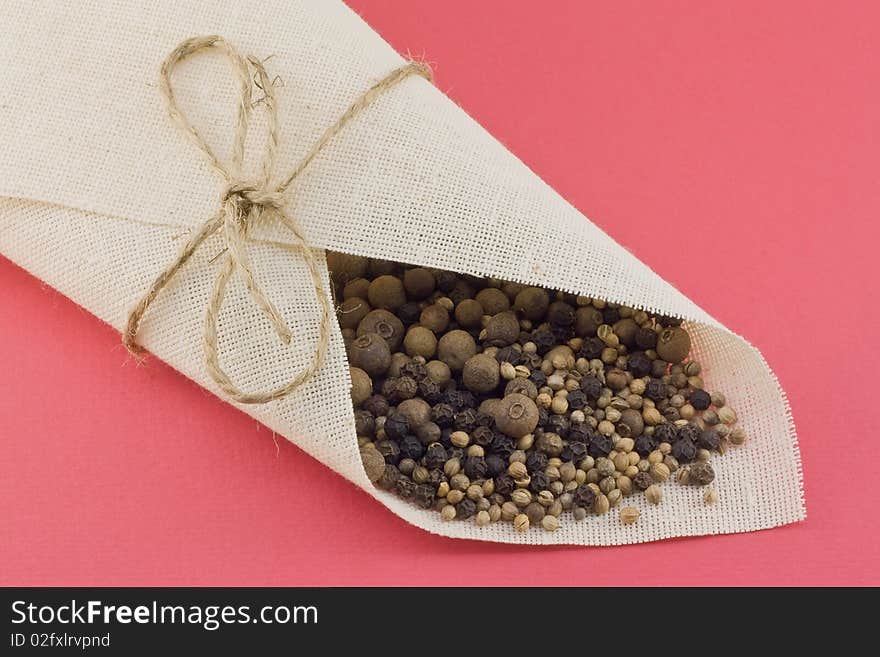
364 423
538 378
666 433
389 478
538 482
416 371
397 426
508 355
544 340
560 314
377 405
584 496
646 338
642 480
610 315
709 439
576 400
504 484
536 461
591 348
495 465
446 280
701 474
442 414
465 509
475 467
600 445
455 453
405 487
460 399
689 432
561 334
430 391
574 451
482 436
409 313
684 450
465 420
557 424
658 368
655 390
485 419
591 387
503 445
580 433
666 320
435 456
700 399
639 364
411 448
460 291
401 389
424 495
646 444
390 450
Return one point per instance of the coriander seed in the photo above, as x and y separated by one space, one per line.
653 494
629 515
521 523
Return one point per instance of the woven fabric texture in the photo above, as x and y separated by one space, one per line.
98 190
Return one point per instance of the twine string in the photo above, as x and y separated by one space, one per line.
244 204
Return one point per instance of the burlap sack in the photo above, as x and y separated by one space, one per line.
98 188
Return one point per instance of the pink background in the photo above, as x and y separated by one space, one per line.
732 146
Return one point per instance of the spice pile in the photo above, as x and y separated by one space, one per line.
490 401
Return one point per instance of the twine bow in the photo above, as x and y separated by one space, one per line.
244 204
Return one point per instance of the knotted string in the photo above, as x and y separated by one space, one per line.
246 203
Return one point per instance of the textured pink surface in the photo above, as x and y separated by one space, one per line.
732 146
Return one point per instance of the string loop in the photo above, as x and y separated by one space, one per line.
243 204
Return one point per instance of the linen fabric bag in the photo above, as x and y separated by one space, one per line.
98 190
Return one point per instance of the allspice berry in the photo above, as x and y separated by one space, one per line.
386 292
370 353
438 372
674 344
356 288
586 320
351 311
435 318
532 303
374 463
385 324
502 330
455 347
469 313
416 411
420 341
419 283
625 330
516 415
361 385
345 267
632 420
493 301
481 374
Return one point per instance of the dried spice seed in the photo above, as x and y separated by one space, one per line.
701 474
629 515
613 403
